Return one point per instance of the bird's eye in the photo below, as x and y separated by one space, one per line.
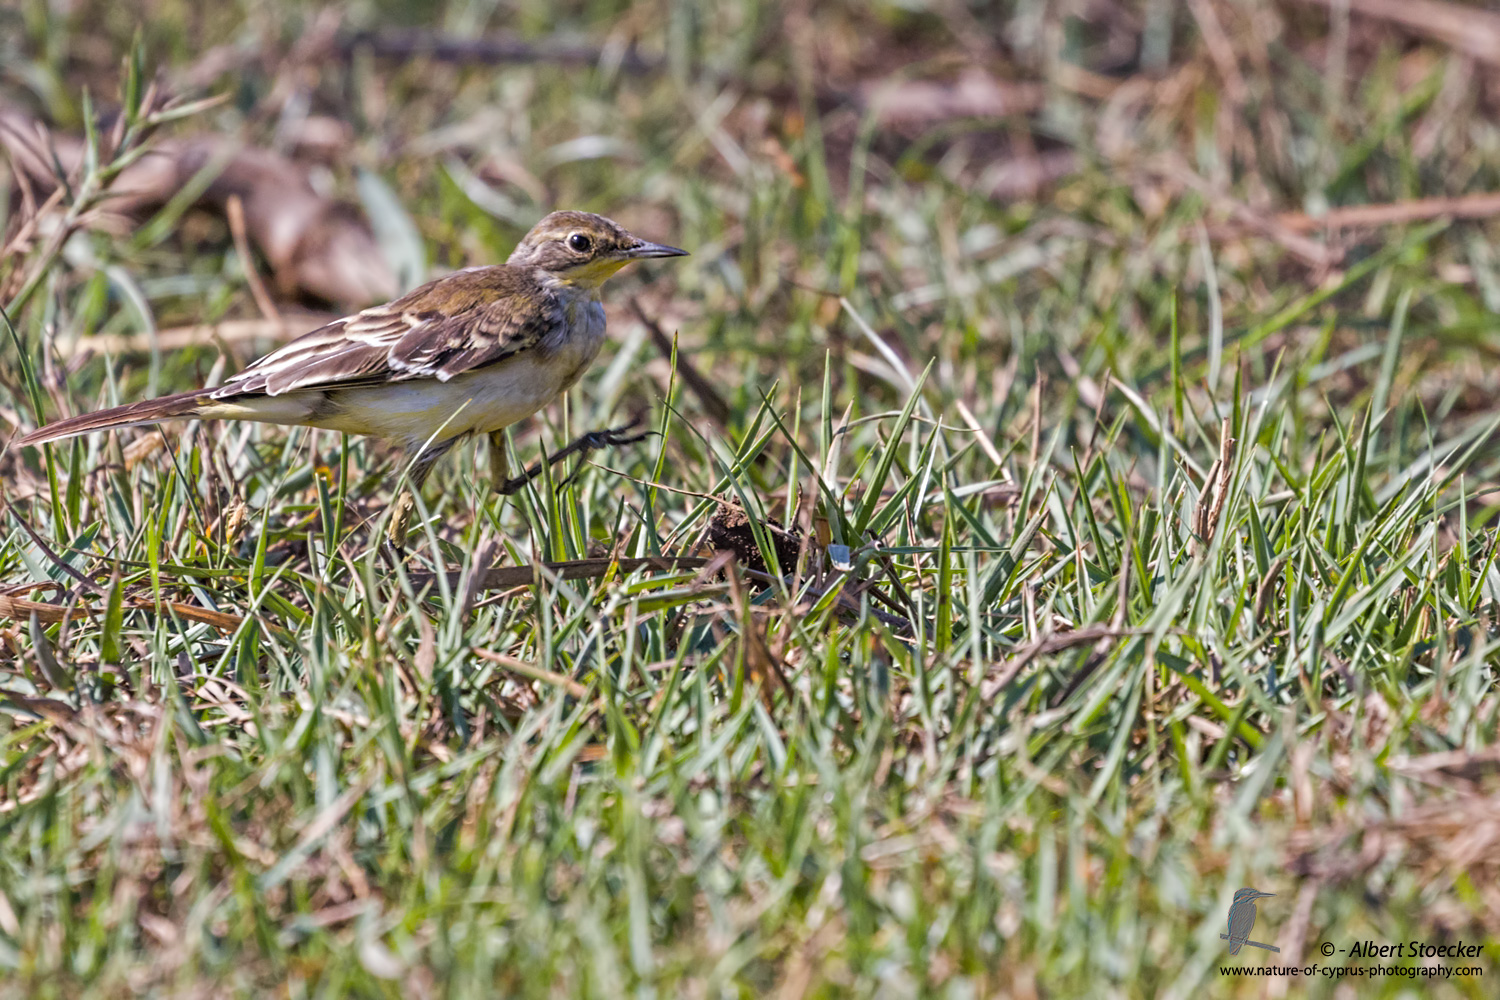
580 242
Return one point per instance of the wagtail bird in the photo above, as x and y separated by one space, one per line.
470 353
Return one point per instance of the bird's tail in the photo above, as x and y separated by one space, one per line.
150 411
1234 947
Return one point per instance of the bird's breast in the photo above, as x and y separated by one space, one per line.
577 348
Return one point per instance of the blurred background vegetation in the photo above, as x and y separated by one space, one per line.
1098 396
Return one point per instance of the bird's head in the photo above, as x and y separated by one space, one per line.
1250 895
581 250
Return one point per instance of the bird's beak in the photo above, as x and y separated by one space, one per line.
643 250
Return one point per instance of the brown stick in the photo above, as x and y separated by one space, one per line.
1469 206
910 102
1469 30
505 577
493 50
1315 254
20 609
234 208
715 404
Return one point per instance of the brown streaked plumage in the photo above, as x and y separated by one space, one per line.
469 353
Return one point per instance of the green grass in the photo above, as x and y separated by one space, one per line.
1014 728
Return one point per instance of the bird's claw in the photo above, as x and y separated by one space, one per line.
614 436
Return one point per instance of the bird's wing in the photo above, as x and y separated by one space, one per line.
458 323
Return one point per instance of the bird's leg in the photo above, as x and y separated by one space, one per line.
499 463
406 501
592 441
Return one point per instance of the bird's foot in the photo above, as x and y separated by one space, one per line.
590 442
